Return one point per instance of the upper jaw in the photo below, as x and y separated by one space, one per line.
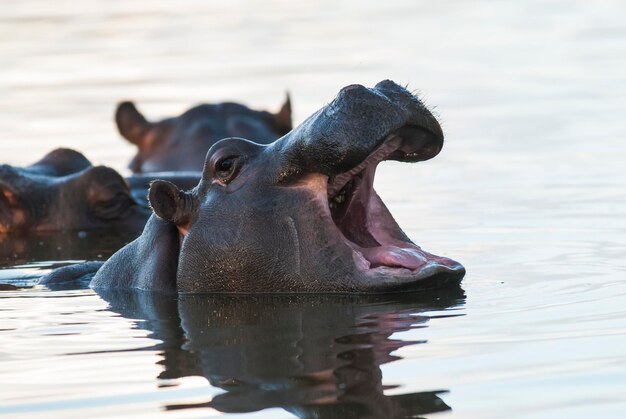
346 131
389 145
408 144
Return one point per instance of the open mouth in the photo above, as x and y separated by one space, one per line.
379 245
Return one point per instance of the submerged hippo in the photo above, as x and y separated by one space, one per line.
180 143
299 215
63 191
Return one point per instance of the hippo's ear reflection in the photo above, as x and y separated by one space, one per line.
315 356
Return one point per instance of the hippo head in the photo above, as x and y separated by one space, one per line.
301 214
63 191
181 143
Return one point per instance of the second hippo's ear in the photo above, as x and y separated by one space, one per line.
282 119
172 204
131 124
107 192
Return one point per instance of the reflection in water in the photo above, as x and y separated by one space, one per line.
24 258
529 191
16 248
314 356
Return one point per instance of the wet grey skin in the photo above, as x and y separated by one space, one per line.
63 191
181 143
299 215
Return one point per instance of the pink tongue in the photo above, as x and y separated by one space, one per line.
394 257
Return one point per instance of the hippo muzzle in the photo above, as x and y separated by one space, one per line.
338 150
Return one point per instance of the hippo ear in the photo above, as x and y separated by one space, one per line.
108 195
282 119
172 204
131 124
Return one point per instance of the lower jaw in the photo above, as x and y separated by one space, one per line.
390 254
379 281
406 262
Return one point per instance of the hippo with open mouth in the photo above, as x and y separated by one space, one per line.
297 216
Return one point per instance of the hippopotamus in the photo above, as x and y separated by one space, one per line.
64 191
299 215
180 143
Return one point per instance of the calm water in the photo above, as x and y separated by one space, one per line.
529 193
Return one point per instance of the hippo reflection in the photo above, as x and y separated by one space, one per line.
47 246
298 215
180 143
316 357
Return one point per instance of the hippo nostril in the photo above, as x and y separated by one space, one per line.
355 88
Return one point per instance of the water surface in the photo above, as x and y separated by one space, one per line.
528 194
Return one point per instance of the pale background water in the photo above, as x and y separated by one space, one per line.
529 194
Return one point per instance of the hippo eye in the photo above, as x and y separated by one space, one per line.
226 168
